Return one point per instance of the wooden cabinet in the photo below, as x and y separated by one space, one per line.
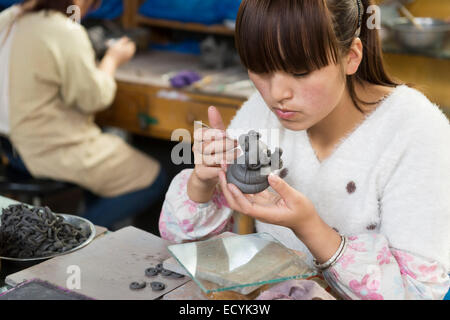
131 18
430 75
141 109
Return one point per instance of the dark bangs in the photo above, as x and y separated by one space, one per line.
285 35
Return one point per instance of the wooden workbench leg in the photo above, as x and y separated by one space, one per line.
244 224
130 13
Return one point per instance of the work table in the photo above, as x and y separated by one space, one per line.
108 265
115 259
154 68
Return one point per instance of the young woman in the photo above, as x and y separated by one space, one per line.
51 88
367 194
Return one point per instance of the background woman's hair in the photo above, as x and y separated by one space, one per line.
57 5
295 36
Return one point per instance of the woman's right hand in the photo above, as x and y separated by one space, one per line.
121 51
213 150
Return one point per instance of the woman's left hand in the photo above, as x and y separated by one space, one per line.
288 207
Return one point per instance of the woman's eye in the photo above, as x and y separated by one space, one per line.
300 75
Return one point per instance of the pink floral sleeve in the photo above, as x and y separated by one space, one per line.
371 270
182 219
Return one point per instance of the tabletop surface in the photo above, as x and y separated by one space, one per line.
125 243
14 273
156 67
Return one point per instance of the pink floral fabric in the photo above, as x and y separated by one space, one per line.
371 270
182 219
366 289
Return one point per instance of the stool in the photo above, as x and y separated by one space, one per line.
17 182
26 188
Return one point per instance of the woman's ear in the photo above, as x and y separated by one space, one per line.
354 57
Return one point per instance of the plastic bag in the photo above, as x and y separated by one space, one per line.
199 11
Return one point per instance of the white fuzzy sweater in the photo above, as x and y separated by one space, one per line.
398 160
386 187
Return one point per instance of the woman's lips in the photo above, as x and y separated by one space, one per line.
285 114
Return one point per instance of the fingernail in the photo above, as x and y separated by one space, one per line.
274 178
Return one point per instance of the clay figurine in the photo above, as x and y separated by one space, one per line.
250 173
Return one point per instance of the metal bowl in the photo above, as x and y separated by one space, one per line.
75 221
431 37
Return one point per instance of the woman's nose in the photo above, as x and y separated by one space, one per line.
279 88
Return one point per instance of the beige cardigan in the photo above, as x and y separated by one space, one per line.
55 89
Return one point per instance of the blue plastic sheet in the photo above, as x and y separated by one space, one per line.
188 46
109 9
199 11
8 3
229 8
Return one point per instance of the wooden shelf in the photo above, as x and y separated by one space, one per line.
131 18
194 27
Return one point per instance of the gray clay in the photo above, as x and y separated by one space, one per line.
176 275
33 232
157 286
171 274
250 173
151 272
137 285
165 272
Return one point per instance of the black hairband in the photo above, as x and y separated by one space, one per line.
360 17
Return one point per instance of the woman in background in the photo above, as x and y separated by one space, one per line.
51 88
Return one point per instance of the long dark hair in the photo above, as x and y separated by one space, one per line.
305 35
57 5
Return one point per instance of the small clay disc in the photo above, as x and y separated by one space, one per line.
137 285
177 275
166 273
159 267
151 272
157 286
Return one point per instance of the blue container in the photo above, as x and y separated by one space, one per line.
8 3
109 9
229 8
199 11
187 46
